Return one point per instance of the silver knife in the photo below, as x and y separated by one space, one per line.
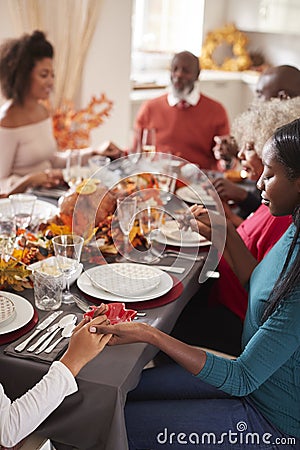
41 326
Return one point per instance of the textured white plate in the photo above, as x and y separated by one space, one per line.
126 279
195 194
42 210
7 310
85 285
160 237
51 262
24 313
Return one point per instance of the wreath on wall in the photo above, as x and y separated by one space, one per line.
238 41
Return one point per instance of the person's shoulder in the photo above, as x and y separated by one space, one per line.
156 100
16 116
211 101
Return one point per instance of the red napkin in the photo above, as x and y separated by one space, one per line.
14 335
169 297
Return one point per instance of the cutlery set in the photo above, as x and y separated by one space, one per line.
66 325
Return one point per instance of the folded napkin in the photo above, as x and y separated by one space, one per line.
47 358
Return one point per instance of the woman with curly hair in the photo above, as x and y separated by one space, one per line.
28 149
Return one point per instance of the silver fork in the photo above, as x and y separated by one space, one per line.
174 254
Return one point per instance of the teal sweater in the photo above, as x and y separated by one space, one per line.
268 370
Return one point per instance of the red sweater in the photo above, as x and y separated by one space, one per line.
187 132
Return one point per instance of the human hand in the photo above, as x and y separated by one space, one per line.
48 178
228 190
226 147
84 345
124 332
109 149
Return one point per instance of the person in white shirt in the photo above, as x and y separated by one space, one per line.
21 417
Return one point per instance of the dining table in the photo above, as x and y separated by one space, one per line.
93 417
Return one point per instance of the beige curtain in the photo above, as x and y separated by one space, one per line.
69 25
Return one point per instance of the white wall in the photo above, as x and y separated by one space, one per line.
107 69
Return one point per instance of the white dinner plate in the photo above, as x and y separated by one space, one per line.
161 238
126 279
195 194
42 209
85 285
24 313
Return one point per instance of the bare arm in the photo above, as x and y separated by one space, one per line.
236 253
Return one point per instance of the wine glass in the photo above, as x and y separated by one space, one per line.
22 208
126 210
67 249
150 220
73 172
148 140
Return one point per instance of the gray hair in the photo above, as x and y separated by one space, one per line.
260 121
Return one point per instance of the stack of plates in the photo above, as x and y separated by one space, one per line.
127 281
15 312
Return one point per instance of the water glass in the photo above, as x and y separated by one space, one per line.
47 290
67 249
7 236
22 207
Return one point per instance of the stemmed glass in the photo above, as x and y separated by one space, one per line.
22 207
73 172
150 220
126 210
149 143
67 249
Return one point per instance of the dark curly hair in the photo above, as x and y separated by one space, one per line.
17 59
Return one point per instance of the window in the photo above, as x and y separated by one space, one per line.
161 28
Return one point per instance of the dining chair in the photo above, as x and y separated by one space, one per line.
36 442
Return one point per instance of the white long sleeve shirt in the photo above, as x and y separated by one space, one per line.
20 418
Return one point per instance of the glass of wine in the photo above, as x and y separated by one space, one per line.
148 140
150 219
126 210
67 249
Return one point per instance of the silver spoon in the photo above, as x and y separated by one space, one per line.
64 321
66 333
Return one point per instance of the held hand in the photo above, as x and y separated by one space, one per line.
84 346
228 190
226 147
109 149
123 333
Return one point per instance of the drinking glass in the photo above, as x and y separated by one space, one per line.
67 249
126 210
73 172
7 236
150 220
22 208
148 143
166 184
